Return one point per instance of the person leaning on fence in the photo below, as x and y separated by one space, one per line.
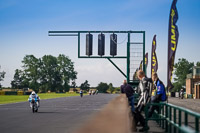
123 86
144 97
160 94
128 90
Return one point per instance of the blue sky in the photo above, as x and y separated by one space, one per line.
24 27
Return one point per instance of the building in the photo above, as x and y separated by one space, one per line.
192 79
197 90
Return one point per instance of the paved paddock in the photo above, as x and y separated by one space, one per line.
60 115
191 104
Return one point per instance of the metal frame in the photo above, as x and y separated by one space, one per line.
78 33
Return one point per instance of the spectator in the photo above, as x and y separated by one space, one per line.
144 96
96 92
160 94
128 90
181 94
90 92
145 90
93 92
123 86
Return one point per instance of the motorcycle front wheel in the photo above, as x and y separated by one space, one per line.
33 108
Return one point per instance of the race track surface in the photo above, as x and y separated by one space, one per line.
60 115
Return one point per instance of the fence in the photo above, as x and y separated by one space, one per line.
173 118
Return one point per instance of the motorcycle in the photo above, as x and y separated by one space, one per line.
34 105
81 93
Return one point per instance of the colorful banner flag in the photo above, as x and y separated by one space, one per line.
154 62
173 35
140 67
146 60
135 75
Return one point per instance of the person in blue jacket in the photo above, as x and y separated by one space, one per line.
160 94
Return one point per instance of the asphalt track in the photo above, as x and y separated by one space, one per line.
60 115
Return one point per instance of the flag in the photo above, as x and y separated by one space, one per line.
140 67
154 62
173 35
135 75
146 60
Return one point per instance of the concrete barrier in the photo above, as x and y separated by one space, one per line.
115 117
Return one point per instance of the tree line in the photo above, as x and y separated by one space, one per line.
2 75
50 73
101 87
44 74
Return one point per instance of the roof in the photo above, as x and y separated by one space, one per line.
196 66
197 83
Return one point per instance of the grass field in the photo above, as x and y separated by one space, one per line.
17 98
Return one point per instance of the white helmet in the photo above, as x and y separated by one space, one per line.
33 93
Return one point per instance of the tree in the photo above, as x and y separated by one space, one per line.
182 68
17 82
2 76
73 84
46 73
48 65
111 88
31 69
198 63
66 70
177 87
85 86
102 87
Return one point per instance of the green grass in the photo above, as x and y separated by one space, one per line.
17 98
55 95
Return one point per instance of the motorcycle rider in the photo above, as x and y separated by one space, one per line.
81 93
34 95
145 87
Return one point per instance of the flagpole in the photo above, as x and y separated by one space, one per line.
168 72
168 57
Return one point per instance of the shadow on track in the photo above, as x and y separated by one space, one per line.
47 112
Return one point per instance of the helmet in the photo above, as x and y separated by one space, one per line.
33 93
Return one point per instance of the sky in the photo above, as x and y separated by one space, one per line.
24 27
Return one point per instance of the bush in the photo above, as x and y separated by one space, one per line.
10 92
102 87
27 93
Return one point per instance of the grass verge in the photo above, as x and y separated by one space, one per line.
4 99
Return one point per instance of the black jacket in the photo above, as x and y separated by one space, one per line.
128 90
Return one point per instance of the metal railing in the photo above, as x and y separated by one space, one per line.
173 118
